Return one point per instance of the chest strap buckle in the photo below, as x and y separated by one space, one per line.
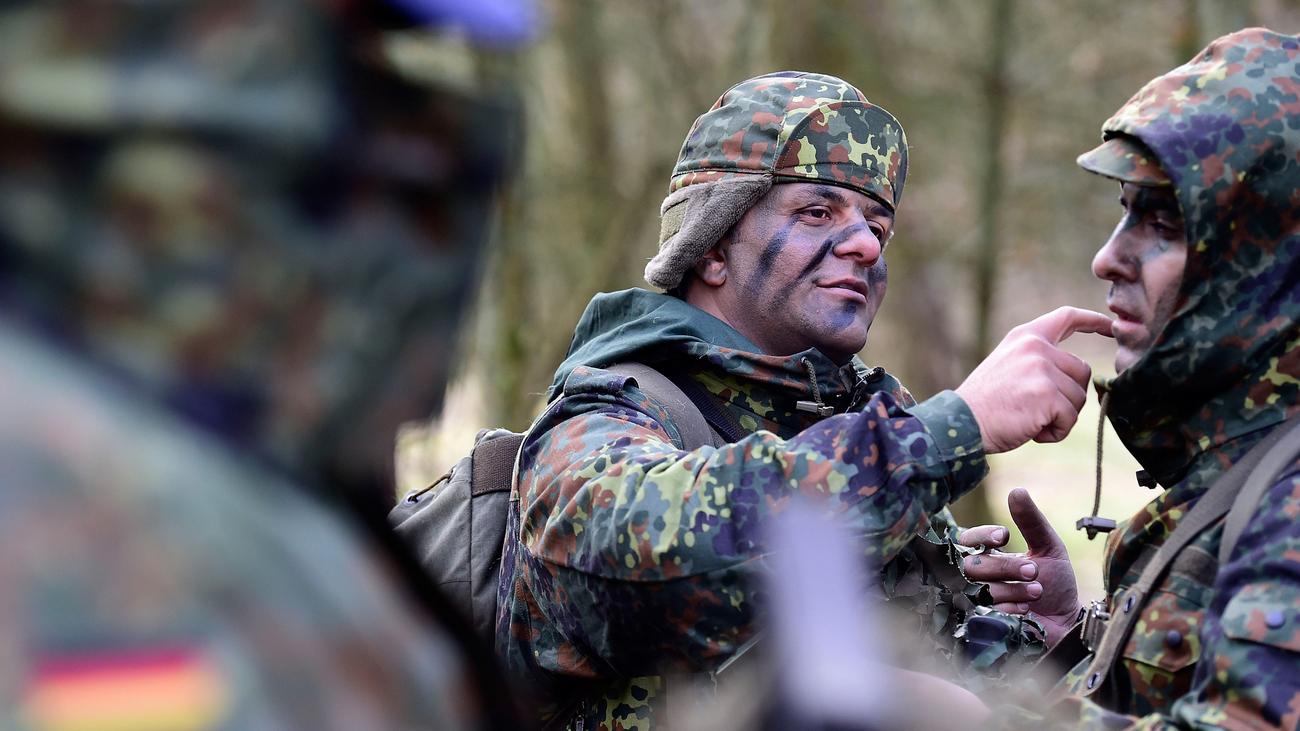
1095 618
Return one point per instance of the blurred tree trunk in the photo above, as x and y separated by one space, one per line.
974 509
504 294
988 249
583 204
1204 20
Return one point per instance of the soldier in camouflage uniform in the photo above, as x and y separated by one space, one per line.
1205 273
627 556
233 251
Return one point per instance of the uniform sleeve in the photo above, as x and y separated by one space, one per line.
632 551
1248 673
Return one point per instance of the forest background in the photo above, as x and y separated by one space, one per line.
997 225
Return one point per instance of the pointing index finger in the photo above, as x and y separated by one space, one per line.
1063 322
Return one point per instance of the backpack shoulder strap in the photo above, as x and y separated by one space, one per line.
493 464
688 418
1212 506
1279 457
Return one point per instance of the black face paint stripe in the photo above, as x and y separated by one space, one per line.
817 258
831 242
768 257
1150 204
846 315
822 252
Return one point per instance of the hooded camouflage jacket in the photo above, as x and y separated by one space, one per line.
1216 646
626 556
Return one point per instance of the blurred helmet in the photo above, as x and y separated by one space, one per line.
252 210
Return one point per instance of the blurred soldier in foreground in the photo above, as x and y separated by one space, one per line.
630 552
1203 627
235 239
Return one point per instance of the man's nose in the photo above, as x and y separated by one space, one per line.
861 243
1111 262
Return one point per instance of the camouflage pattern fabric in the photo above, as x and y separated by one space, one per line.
232 258
176 200
626 556
1215 646
797 126
154 582
1126 159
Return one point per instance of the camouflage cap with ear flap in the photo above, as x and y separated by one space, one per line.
789 126
1125 159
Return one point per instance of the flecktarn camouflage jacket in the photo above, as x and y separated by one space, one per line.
150 578
1215 646
626 556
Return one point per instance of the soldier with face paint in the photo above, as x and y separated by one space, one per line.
1204 273
627 555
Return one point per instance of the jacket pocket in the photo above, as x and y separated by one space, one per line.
1265 614
1167 634
1160 656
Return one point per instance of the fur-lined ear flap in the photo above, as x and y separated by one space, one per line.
694 218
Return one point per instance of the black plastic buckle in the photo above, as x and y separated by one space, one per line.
1145 479
1094 525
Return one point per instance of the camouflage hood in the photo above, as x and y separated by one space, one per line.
1227 364
667 333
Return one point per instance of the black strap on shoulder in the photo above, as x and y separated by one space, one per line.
493 464
1212 506
722 422
685 413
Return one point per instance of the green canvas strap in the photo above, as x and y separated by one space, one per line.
1226 492
686 416
1265 476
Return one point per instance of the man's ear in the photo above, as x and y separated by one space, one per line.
711 269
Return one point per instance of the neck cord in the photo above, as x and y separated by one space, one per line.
1093 524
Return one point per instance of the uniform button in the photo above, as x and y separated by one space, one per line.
1093 680
1173 638
1274 619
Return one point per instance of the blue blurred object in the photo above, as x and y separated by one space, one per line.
490 21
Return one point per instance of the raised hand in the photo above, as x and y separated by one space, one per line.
1028 387
1040 581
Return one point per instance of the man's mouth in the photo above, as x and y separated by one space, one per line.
849 286
1128 328
1123 314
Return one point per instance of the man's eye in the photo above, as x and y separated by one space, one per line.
1167 230
820 214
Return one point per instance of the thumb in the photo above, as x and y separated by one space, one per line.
1040 537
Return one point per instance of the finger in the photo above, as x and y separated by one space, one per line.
1072 390
1071 365
993 536
1016 592
999 567
1064 417
1039 534
1063 322
1012 608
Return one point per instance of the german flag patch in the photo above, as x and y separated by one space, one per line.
167 689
